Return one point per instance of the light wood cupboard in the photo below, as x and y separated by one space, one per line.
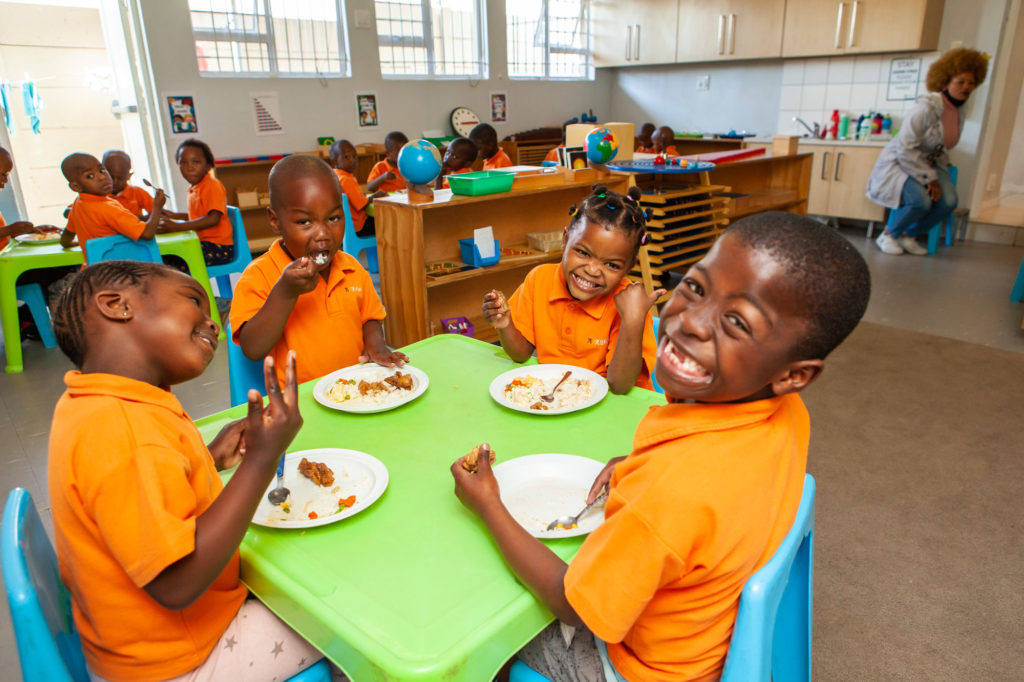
839 179
729 29
831 27
634 33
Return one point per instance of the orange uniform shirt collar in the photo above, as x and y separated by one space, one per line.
595 307
97 383
340 266
677 420
498 157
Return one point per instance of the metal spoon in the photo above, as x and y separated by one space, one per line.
570 521
150 184
280 493
550 397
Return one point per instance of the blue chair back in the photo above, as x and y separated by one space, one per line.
31 295
654 379
119 247
48 645
353 243
243 373
222 273
772 635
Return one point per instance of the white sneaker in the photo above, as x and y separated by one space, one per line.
888 245
910 245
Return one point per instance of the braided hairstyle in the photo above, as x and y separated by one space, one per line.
613 210
70 314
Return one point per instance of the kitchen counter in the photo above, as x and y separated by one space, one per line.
870 142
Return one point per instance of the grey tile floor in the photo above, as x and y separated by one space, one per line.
961 293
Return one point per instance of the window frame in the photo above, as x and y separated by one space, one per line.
426 42
588 51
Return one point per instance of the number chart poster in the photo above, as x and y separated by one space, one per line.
366 109
183 114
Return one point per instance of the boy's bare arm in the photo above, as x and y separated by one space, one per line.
372 185
17 228
219 529
496 311
627 360
154 218
67 238
174 215
208 220
258 336
376 349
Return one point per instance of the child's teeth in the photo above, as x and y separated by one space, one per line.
320 258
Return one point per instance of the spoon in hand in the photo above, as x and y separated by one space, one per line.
550 397
567 522
280 493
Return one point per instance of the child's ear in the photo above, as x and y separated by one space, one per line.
797 376
114 306
272 217
565 236
75 187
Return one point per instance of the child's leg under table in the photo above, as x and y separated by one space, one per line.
581 661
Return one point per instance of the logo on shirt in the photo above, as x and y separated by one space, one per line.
597 342
354 289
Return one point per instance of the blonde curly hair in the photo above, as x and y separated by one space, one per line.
953 63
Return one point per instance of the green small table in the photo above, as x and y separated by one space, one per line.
414 588
17 258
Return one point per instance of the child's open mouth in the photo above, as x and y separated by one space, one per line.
685 368
584 284
320 257
208 339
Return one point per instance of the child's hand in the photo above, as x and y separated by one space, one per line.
496 310
633 303
299 277
390 175
476 490
379 193
159 199
384 356
269 430
603 479
21 227
229 445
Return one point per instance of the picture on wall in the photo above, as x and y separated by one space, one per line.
266 113
499 107
366 109
183 114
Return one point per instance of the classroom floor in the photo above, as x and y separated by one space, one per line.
915 476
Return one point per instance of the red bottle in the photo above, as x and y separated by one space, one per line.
876 124
833 128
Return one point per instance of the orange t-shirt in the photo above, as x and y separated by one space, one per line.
357 201
209 195
95 216
646 150
135 199
3 240
380 168
457 172
499 160
703 501
128 475
553 154
564 330
325 328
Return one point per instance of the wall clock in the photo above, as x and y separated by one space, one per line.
463 120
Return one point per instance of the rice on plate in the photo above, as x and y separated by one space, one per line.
526 390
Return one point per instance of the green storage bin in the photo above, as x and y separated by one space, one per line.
480 183
440 141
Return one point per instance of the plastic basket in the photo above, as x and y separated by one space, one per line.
471 254
480 183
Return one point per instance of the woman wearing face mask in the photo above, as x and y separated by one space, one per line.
911 176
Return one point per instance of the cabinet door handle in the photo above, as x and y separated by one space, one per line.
721 34
839 157
853 24
839 25
732 34
824 165
629 41
636 32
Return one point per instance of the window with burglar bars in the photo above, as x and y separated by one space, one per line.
431 38
270 37
549 39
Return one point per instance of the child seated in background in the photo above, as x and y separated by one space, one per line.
584 311
304 294
385 174
19 227
207 205
345 160
97 214
147 535
644 145
137 200
663 140
458 158
715 477
486 141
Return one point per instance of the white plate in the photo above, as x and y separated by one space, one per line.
355 473
550 374
28 239
537 489
371 372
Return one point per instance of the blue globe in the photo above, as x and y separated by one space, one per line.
419 162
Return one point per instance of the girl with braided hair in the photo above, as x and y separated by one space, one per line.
583 311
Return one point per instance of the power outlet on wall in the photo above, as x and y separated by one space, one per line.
703 82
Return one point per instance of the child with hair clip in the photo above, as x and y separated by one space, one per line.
583 311
147 535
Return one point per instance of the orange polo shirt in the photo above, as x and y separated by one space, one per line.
95 216
671 150
4 241
135 199
499 160
325 327
566 331
552 155
380 168
467 169
209 195
357 201
703 501
128 475
646 150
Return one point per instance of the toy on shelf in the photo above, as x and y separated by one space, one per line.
419 162
457 325
601 145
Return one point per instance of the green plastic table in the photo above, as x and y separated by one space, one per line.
413 587
17 258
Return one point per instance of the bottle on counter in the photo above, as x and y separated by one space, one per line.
833 128
864 128
844 126
887 124
876 124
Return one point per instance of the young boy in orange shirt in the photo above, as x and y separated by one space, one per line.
345 160
304 294
663 139
644 145
715 477
485 138
95 213
119 165
385 174
22 226
458 158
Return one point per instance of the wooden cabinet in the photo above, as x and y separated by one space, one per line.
828 27
634 33
243 177
839 180
729 29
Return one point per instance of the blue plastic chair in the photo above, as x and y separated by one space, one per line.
353 243
1018 287
935 231
119 247
654 380
772 635
243 373
32 296
520 672
222 273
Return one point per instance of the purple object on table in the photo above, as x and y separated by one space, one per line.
458 325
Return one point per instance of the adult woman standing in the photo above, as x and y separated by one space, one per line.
911 175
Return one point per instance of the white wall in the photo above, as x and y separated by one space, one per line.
311 109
